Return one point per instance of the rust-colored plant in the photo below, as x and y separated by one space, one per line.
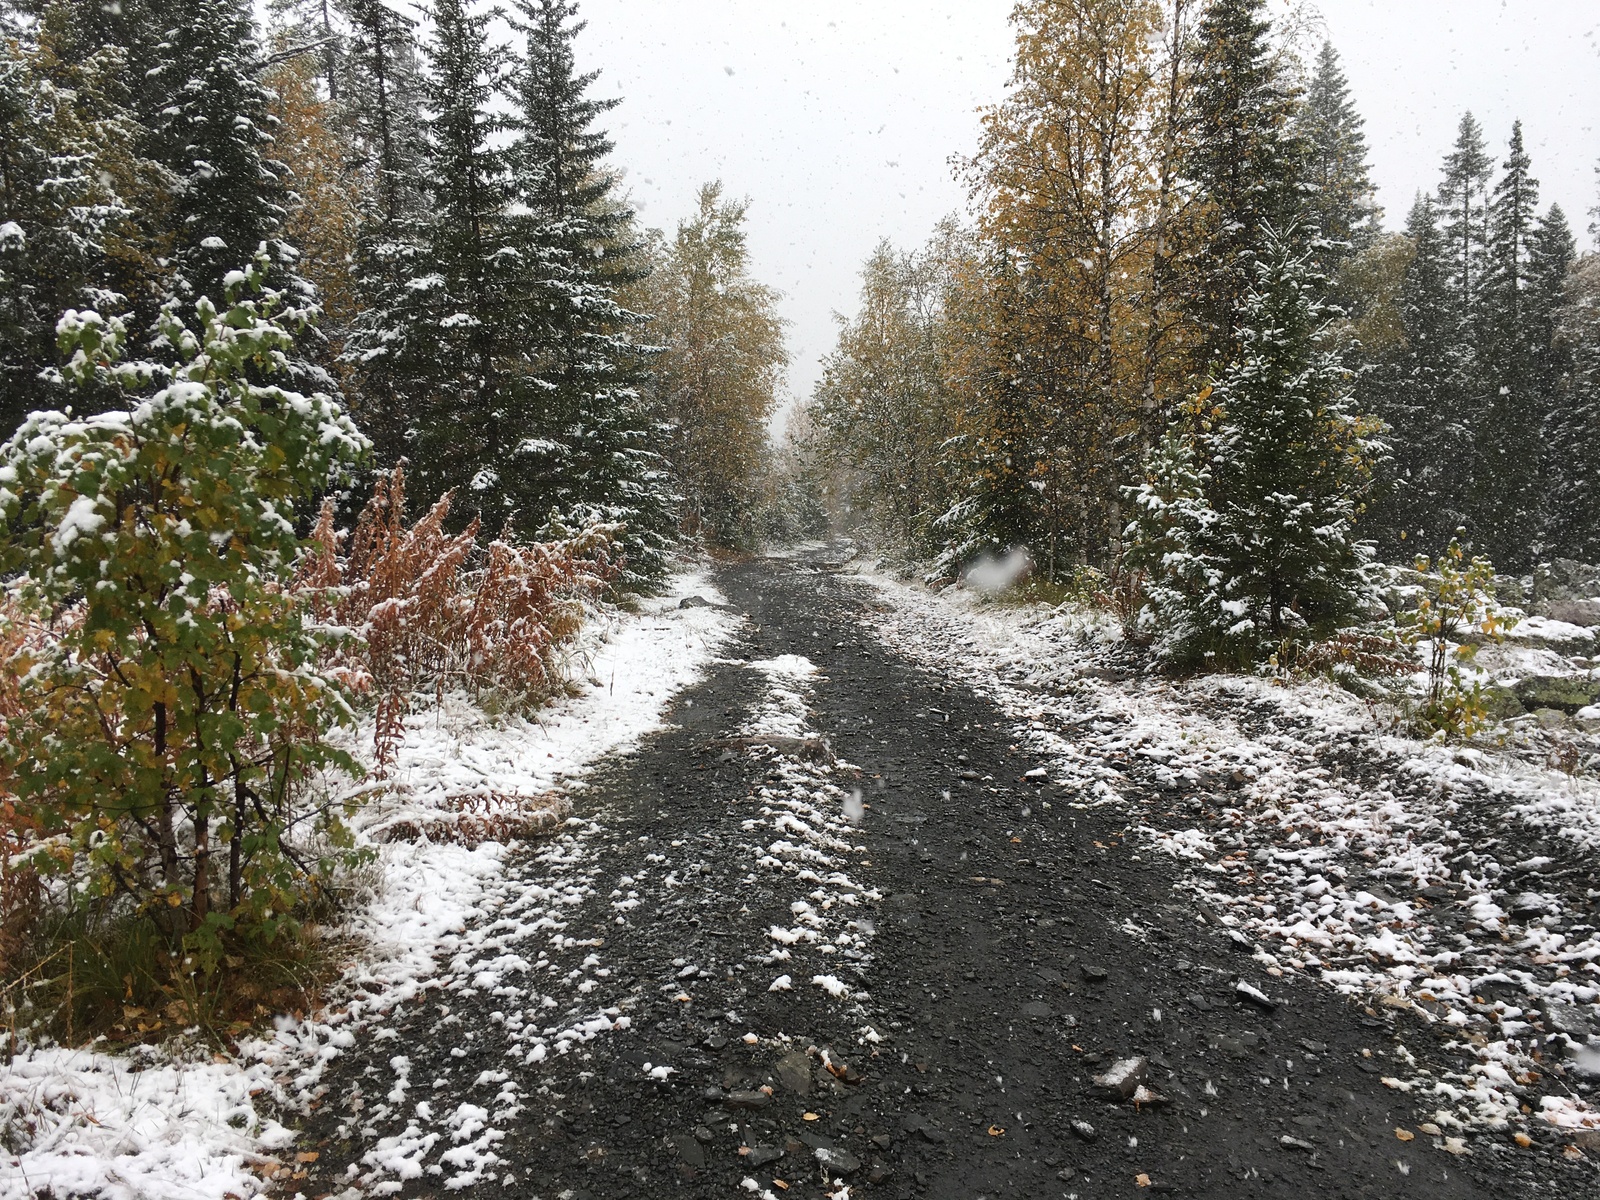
431 610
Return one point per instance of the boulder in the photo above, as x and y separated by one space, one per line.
1548 634
1568 693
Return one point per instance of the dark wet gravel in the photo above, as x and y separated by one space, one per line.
1015 957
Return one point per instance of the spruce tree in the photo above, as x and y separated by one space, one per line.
586 454
1462 199
1564 320
71 177
1416 388
210 125
1271 556
1339 203
1552 251
381 93
1246 158
1505 471
439 351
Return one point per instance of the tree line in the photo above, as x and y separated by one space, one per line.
1176 341
437 185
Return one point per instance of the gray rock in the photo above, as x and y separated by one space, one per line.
1094 974
760 1156
694 602
748 1099
1552 718
1121 1080
794 1072
1038 1009
1085 1131
687 1149
1528 904
1568 1019
1294 1143
1254 995
841 1162
1573 612
703 1135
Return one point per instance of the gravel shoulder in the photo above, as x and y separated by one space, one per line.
835 932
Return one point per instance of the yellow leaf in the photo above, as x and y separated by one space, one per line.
1405 1135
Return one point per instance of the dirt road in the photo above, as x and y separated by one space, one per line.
894 964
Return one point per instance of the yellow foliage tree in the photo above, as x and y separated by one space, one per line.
715 379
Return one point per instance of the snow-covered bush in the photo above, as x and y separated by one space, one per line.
1246 522
161 727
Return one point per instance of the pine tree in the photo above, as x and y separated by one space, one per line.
1245 156
1416 388
586 453
439 351
1505 472
1271 556
210 124
1339 204
1462 198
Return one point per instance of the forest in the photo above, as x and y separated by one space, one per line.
1178 340
371 471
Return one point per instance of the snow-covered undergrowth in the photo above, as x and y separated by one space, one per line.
1450 885
441 916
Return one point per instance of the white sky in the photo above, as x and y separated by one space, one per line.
838 118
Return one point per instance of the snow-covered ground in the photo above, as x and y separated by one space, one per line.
1451 885
183 1124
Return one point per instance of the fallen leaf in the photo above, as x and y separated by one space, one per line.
1141 1181
1405 1135
1429 1128
996 1131
809 1117
1522 1140
780 1185
306 1156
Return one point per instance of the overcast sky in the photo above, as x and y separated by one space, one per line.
839 118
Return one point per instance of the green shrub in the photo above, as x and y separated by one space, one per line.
175 703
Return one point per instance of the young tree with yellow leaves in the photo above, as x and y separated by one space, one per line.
716 376
1069 181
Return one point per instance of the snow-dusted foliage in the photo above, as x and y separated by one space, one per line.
176 698
1258 546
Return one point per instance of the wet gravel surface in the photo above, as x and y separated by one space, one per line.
988 950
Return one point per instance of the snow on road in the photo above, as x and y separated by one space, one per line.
179 1124
1426 880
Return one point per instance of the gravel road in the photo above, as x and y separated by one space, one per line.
842 943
